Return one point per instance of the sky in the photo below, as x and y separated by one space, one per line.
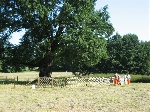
127 16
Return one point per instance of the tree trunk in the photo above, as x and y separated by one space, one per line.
46 62
45 71
46 67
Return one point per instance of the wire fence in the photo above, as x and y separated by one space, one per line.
58 81
72 81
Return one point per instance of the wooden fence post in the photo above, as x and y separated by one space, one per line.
14 82
28 80
86 81
65 81
6 80
17 78
38 82
52 82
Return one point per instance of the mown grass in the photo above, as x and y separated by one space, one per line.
127 98
31 75
23 78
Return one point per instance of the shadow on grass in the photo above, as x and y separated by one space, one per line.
18 82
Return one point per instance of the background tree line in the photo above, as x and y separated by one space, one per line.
67 35
126 54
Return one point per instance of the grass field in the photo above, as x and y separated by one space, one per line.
126 98
34 74
22 76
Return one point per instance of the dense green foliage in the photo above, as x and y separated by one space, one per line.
140 79
67 35
126 54
56 31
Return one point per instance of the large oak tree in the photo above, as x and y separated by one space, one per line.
56 31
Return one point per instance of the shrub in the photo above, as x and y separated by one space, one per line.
140 79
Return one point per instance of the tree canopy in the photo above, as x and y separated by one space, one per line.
68 34
126 54
56 31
